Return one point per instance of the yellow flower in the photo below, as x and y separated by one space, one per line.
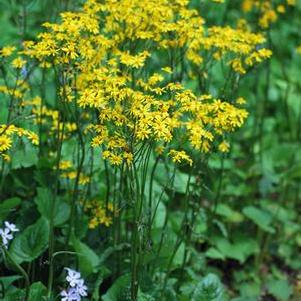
105 220
291 2
5 143
224 147
6 157
7 51
33 137
159 149
135 61
65 164
167 70
83 180
128 157
180 156
240 101
93 223
281 9
99 215
8 131
18 63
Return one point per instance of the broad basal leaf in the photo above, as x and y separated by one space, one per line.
31 243
44 201
88 260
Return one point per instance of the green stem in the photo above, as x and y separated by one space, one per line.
22 271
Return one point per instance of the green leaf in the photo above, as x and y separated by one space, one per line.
179 256
230 214
119 289
8 280
88 260
239 250
160 216
31 243
293 173
26 157
245 299
250 289
14 295
221 226
261 218
7 206
209 289
103 273
180 182
230 251
44 201
280 289
144 297
214 254
37 292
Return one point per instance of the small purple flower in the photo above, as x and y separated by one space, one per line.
73 277
81 288
76 288
24 72
70 295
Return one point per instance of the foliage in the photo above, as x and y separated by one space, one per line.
153 146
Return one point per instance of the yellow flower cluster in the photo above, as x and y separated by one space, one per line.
69 173
113 47
179 156
268 10
6 138
7 51
99 214
44 115
17 92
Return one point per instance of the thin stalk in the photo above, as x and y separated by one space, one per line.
22 271
51 219
180 238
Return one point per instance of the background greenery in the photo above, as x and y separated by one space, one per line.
244 243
